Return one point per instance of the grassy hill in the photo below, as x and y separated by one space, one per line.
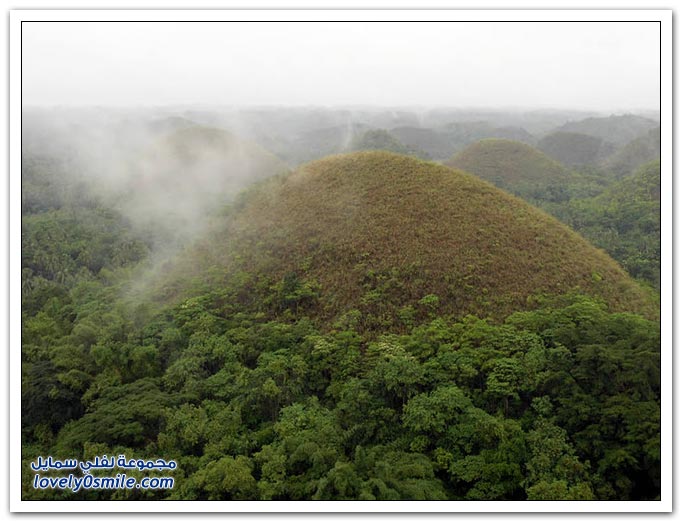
381 139
641 150
376 235
515 167
571 148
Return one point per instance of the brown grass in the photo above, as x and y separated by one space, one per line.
408 228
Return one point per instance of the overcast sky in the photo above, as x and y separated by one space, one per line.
599 66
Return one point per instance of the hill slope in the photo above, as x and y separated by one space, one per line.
382 234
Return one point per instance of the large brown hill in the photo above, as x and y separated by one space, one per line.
378 232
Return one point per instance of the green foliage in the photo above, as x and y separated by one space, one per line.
558 403
276 384
625 220
554 472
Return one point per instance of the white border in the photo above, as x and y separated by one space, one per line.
281 15
16 504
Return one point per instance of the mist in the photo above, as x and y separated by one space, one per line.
168 170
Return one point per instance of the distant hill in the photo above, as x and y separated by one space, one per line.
371 233
618 130
207 160
442 142
315 144
377 139
380 139
464 133
573 149
435 144
514 166
641 150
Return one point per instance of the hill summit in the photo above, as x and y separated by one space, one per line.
379 235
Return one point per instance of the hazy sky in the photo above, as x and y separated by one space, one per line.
601 66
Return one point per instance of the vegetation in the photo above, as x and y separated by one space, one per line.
558 403
370 326
626 222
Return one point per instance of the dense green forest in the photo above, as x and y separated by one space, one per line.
625 220
368 326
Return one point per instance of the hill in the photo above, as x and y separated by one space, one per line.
465 132
377 235
380 139
618 130
435 144
317 143
641 150
515 167
572 149
377 139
